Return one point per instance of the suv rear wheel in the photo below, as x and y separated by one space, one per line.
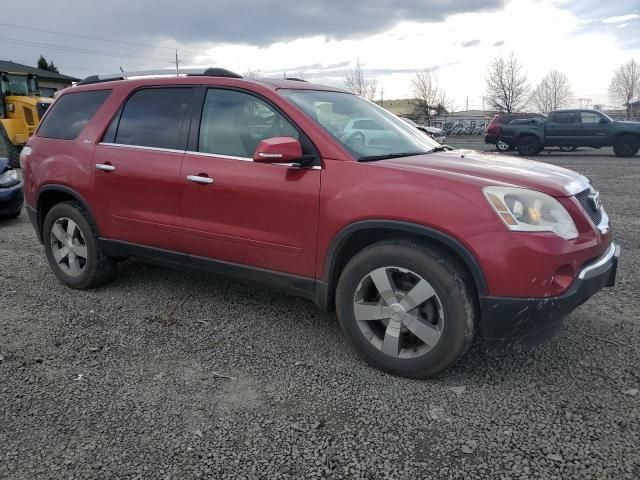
626 145
408 309
72 248
502 146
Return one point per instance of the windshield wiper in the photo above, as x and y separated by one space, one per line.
387 156
441 148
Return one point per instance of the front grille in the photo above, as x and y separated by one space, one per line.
588 205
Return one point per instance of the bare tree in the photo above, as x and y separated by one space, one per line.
507 86
625 84
553 92
427 97
356 81
251 74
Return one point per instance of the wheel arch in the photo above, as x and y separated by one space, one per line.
50 195
356 236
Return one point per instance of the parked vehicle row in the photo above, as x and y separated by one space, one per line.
417 247
569 129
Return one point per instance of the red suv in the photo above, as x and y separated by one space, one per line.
494 129
419 248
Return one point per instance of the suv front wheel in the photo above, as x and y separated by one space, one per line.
72 248
407 308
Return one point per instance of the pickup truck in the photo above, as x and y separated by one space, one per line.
571 129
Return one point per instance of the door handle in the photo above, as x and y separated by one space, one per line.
200 179
105 167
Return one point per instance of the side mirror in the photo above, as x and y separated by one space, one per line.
604 120
278 150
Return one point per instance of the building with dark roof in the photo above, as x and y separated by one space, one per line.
49 82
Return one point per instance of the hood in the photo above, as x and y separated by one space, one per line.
492 169
629 123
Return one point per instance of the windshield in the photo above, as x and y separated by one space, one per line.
15 85
368 131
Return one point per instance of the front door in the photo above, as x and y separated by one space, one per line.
562 129
235 210
594 133
137 167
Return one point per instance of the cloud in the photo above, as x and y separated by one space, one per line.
621 18
470 43
253 22
597 16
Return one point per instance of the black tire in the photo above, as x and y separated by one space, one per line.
8 149
98 269
529 145
448 281
626 145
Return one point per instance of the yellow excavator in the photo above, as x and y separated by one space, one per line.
21 109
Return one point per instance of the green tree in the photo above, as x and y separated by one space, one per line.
43 64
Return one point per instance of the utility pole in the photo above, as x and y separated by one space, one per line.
177 63
467 107
382 97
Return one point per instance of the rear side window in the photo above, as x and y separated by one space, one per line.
151 118
564 117
71 113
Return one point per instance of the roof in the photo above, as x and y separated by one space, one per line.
8 66
172 79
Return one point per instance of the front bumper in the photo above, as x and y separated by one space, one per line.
520 323
491 139
11 199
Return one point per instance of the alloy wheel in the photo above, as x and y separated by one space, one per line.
398 312
68 246
502 146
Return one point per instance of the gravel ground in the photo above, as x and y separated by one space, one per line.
168 375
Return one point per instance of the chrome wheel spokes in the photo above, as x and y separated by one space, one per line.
68 246
399 312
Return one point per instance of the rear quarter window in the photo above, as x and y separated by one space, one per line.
71 113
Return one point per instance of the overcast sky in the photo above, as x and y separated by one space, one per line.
320 39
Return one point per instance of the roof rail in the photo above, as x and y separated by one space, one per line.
295 79
207 72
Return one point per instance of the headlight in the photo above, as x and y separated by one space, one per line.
524 210
8 178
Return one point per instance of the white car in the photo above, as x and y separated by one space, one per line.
436 133
360 132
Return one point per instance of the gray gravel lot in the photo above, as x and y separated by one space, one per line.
131 381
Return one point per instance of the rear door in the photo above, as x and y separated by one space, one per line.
562 128
137 167
255 214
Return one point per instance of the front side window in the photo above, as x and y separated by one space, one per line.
152 118
71 113
368 131
234 123
589 118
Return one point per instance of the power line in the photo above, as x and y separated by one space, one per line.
88 37
84 51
